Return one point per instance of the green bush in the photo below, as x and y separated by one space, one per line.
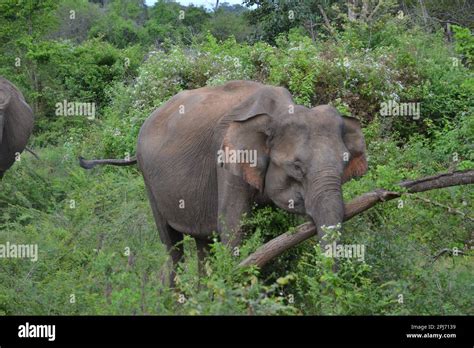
464 43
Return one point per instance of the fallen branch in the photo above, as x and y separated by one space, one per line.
447 251
278 245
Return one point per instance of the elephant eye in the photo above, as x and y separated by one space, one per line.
296 170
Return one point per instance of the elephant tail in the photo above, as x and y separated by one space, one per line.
32 152
89 164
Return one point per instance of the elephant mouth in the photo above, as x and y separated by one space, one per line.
298 205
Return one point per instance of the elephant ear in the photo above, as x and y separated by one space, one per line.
247 133
355 143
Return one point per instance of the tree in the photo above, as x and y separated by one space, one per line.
235 8
135 10
431 12
275 17
368 10
76 18
229 21
172 21
23 24
122 23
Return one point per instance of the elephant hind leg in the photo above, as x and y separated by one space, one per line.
1 175
172 239
203 249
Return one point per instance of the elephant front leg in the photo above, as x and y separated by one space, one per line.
234 201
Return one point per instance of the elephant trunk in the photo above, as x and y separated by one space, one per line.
325 205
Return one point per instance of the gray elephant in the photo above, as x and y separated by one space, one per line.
16 124
207 155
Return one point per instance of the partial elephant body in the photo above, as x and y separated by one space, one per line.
294 157
16 124
177 154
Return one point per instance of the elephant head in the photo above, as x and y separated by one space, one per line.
304 155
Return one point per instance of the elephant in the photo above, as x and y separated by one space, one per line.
197 184
16 124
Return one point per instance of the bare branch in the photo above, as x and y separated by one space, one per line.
327 23
374 11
